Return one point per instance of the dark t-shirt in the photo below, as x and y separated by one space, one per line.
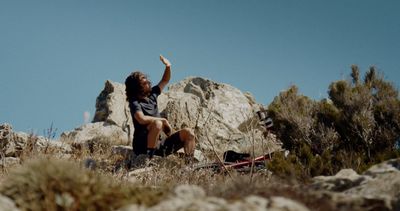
149 107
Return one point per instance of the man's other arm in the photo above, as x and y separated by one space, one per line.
146 120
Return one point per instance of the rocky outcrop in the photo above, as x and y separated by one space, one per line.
190 197
343 180
112 121
94 132
6 204
377 187
8 162
222 117
12 144
112 107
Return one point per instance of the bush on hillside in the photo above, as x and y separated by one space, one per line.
293 118
361 119
51 184
370 113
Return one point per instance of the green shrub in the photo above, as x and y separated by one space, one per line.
370 113
356 127
51 184
286 167
293 118
356 123
303 165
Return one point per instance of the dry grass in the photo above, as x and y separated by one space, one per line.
52 184
44 182
234 186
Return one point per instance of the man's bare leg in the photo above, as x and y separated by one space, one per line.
187 136
154 129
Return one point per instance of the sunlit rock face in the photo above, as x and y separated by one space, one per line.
222 117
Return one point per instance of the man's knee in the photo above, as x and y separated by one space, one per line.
156 125
186 134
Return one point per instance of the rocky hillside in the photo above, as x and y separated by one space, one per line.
40 168
87 168
222 117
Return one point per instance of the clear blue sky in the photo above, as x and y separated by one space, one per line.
56 55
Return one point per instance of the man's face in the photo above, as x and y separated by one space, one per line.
146 84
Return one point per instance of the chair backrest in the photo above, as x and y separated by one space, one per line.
264 119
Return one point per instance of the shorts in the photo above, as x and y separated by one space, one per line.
170 145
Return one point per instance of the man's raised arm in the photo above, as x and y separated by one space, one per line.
167 73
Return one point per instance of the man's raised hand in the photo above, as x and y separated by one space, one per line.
165 61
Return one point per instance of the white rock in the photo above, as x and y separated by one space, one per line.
122 150
9 161
112 107
285 204
99 131
217 112
6 204
222 117
13 143
191 197
378 187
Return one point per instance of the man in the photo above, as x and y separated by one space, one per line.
147 120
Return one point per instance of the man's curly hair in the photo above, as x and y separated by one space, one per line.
133 86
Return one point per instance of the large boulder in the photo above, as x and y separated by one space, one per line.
12 144
222 117
191 197
6 204
94 132
112 107
112 121
377 187
343 180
